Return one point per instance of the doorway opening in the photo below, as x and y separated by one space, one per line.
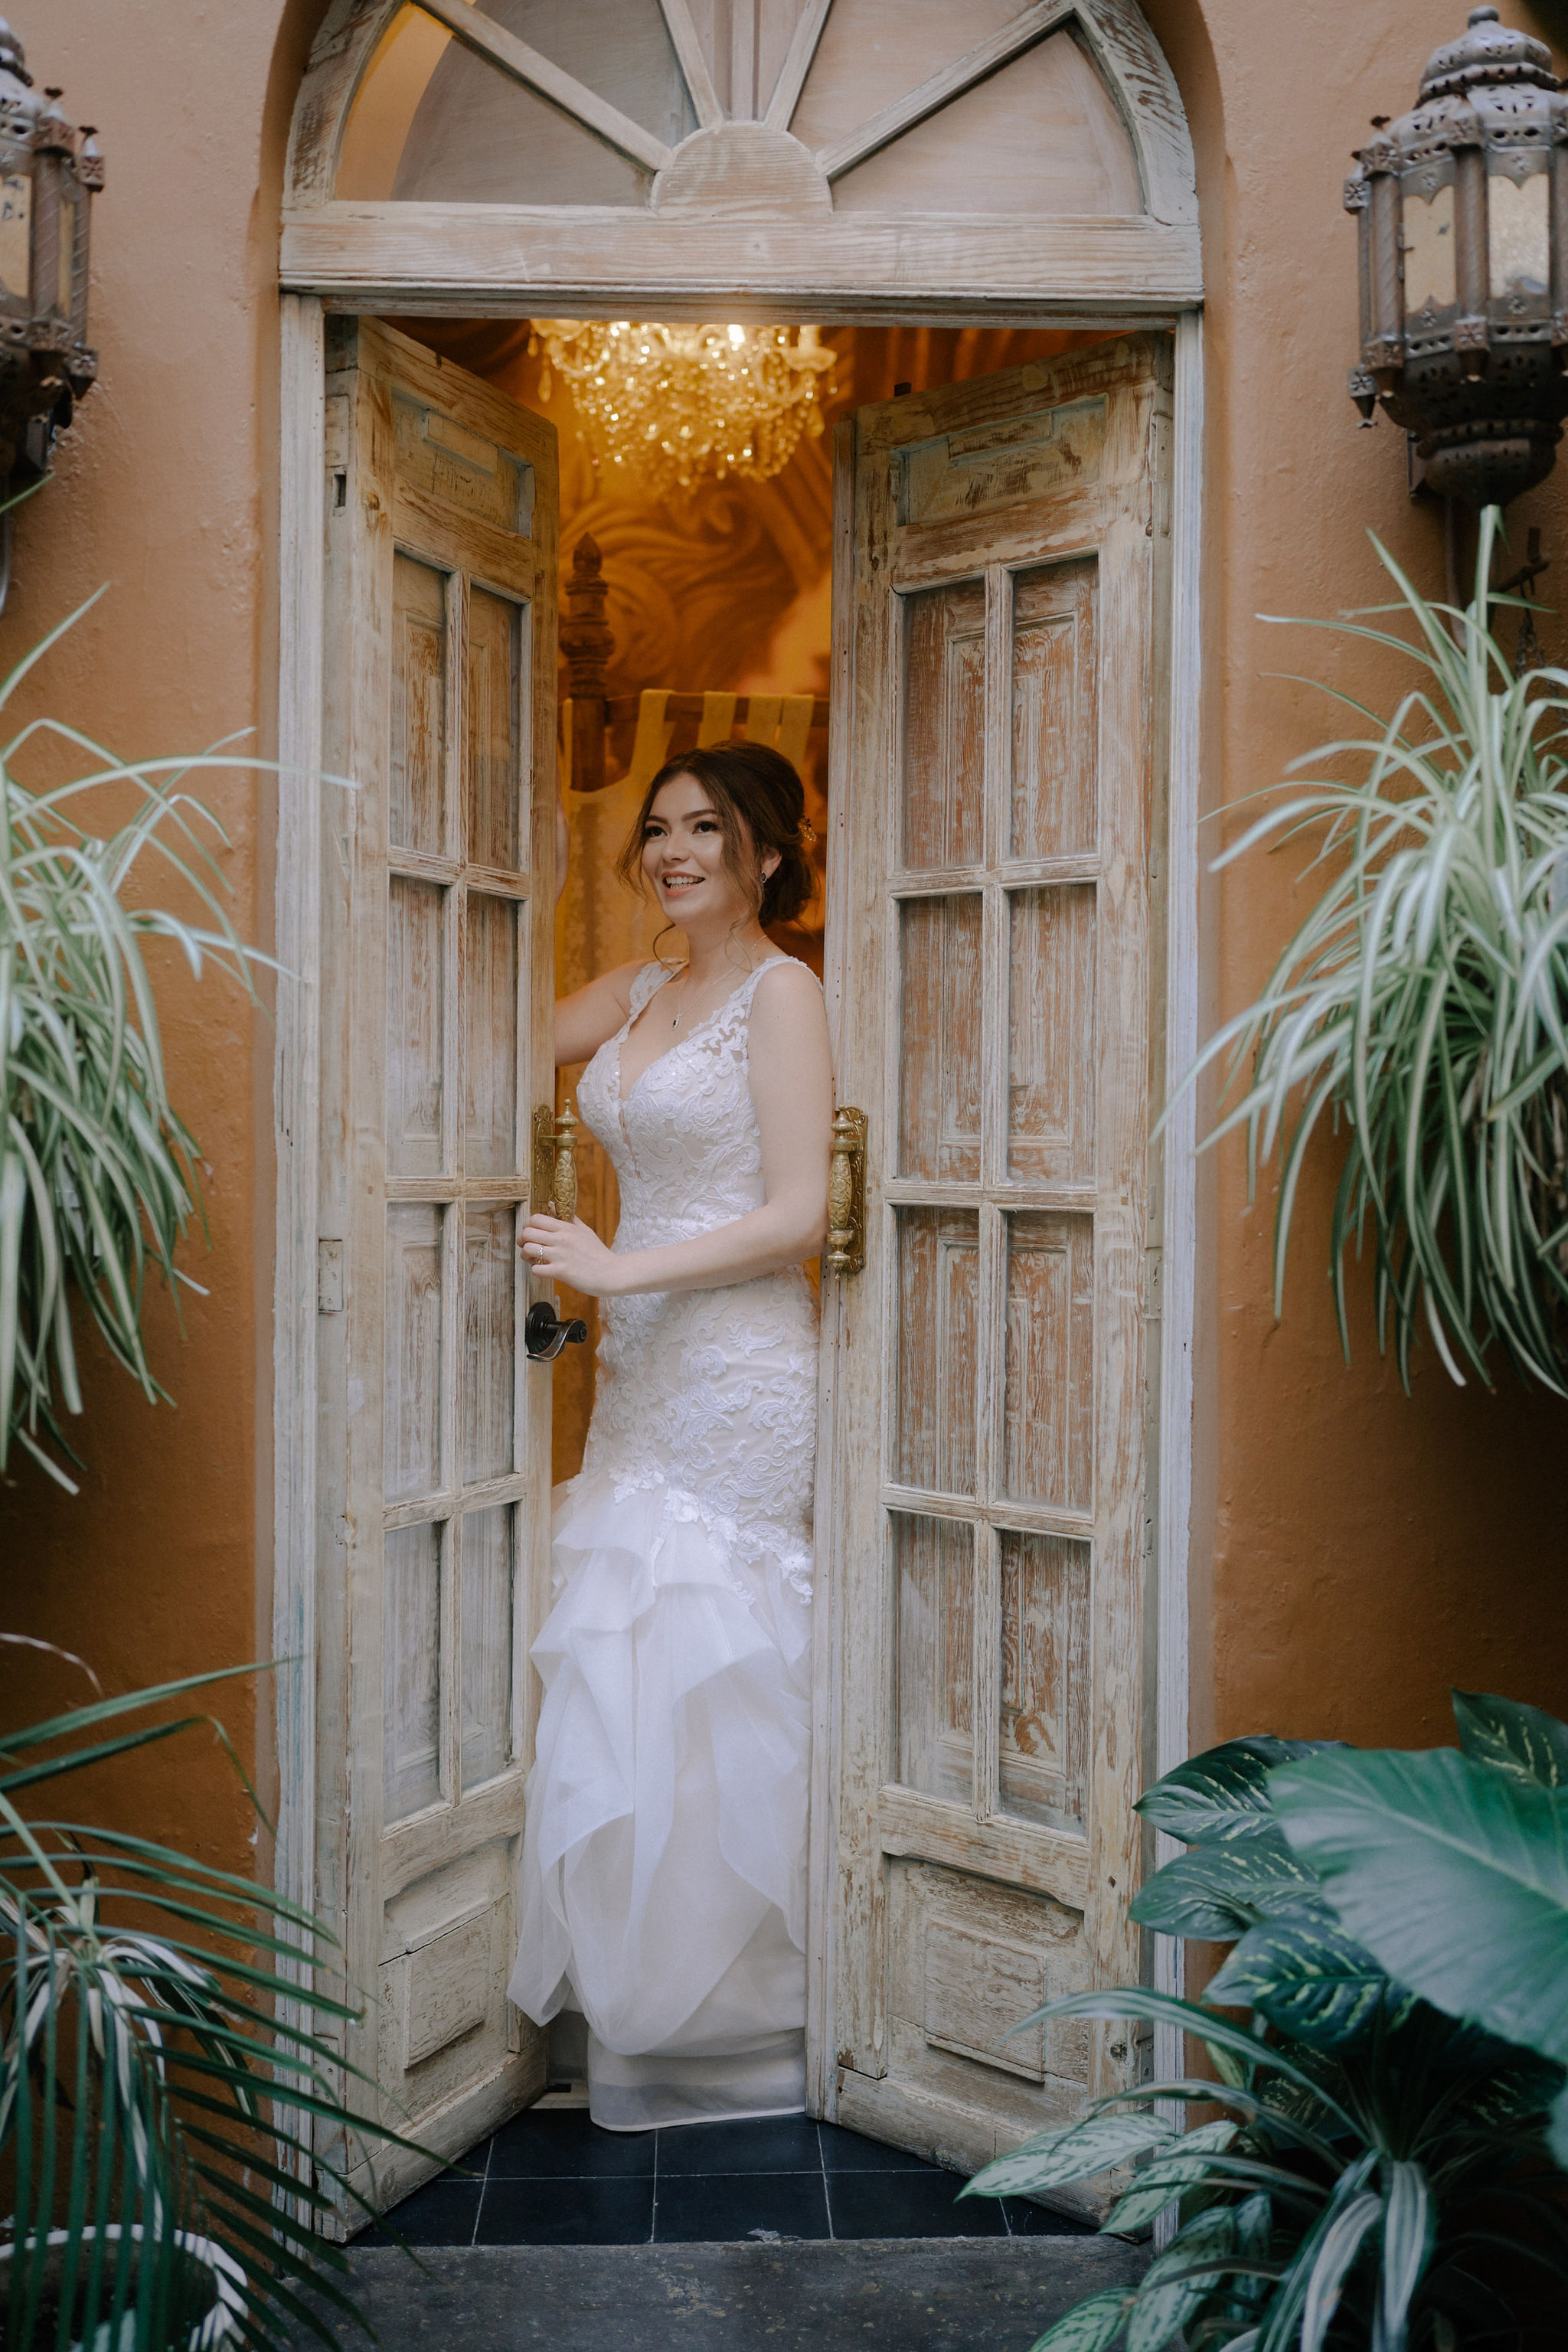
724 590
720 600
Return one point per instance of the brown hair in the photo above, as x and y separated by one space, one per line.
759 803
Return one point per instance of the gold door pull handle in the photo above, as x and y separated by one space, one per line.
553 1188
566 1165
846 1251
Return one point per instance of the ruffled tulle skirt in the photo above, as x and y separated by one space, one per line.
663 1885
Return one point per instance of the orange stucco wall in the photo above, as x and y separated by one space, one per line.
1354 1551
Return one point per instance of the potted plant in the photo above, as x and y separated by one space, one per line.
167 2056
1418 1012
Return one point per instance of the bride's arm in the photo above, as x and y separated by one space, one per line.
792 1089
586 1018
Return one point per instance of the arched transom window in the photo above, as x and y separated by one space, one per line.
862 129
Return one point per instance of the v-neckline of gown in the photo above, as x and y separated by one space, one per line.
622 1095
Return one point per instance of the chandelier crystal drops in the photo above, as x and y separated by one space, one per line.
673 405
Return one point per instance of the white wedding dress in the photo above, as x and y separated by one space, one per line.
664 1857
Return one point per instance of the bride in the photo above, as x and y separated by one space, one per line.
664 1859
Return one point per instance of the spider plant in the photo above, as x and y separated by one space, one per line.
1419 1008
1379 2178
166 2059
98 1171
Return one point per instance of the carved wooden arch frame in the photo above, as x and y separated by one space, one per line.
674 260
742 208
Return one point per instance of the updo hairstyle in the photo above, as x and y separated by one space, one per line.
759 803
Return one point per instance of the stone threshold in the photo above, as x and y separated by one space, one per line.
880 2295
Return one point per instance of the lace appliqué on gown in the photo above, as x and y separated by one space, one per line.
664 1858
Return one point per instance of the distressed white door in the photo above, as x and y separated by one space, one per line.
436 994
986 1448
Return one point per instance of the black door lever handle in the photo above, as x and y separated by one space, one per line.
544 1335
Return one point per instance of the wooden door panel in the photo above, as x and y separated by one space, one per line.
438 991
988 1394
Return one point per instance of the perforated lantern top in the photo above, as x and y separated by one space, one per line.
1463 206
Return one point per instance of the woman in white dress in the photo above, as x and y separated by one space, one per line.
664 1857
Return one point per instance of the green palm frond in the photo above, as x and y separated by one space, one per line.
170 2051
98 1171
1421 1010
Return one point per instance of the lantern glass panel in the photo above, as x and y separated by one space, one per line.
15 236
66 251
1517 240
1429 273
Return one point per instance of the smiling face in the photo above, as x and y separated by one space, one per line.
688 860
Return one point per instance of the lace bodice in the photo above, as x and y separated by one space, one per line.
711 1393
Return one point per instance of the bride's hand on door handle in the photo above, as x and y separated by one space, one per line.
572 1253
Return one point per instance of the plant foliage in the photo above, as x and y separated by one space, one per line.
1452 1869
166 2072
1420 1007
98 1172
1379 2179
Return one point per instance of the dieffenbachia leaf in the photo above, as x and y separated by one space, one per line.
1090 2326
1052 2158
1165 2179
1221 1890
1173 2286
1223 1793
1306 1976
1452 1874
1517 1738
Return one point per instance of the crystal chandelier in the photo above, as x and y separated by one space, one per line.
672 404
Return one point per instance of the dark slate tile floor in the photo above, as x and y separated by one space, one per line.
556 2179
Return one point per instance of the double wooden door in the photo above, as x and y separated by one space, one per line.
982 1535
984 1525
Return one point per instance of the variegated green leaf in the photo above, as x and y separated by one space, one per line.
1337 2250
1307 1978
1221 1890
1520 1740
1223 1793
1090 2326
1409 2229
1168 2176
1083 2149
1175 2284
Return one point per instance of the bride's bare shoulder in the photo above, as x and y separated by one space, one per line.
591 1014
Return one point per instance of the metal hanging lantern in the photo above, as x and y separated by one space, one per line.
1462 212
49 173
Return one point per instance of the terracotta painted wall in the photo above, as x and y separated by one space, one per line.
1355 1551
166 491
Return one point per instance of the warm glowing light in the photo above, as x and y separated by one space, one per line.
679 404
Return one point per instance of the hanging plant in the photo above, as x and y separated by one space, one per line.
1420 1010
